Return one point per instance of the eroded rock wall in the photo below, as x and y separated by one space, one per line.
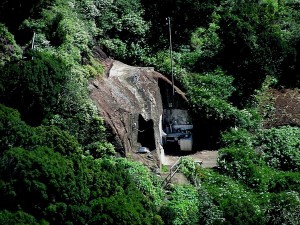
130 102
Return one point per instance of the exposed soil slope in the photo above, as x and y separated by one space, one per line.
285 108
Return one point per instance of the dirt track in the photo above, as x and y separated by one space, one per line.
208 158
285 107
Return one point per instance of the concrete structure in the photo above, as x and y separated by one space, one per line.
178 128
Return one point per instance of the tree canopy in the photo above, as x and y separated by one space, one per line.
56 165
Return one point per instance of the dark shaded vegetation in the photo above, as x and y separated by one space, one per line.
34 86
45 173
56 166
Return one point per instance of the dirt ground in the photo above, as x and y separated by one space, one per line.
284 107
207 157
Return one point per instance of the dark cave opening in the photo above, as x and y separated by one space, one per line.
146 133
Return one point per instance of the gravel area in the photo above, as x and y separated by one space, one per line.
207 157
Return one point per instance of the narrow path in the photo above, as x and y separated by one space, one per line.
208 158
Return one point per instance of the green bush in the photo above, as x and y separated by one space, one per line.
34 87
126 193
86 125
100 149
210 213
190 169
237 203
145 181
207 41
9 50
243 164
284 181
181 207
19 217
123 29
280 147
122 208
237 138
71 189
52 137
15 133
284 208
208 94
64 33
246 158
33 179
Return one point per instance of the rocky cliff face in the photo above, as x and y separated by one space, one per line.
130 102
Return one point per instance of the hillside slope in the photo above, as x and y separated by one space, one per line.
285 108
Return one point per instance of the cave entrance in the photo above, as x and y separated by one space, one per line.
146 133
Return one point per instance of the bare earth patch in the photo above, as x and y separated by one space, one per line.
285 108
207 157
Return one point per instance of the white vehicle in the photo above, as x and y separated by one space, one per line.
182 136
143 150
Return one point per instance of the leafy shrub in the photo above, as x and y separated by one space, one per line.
284 208
33 178
209 212
117 48
122 208
100 149
34 87
15 133
190 169
9 50
94 69
238 204
284 181
145 181
69 189
121 187
240 160
162 61
207 41
66 35
242 163
19 217
237 138
86 125
52 137
215 83
209 95
182 207
123 29
280 147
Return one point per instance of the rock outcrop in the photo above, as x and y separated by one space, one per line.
129 100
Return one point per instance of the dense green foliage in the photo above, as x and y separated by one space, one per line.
223 200
34 86
15 133
45 173
56 166
280 148
252 159
181 207
9 50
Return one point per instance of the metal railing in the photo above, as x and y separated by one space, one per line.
172 172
